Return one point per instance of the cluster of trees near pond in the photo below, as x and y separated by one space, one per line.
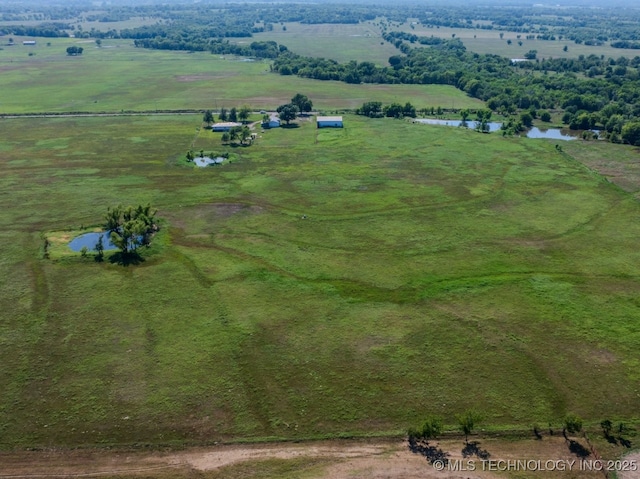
592 91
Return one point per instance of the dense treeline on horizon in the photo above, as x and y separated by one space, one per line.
581 25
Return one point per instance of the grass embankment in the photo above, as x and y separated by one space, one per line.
437 269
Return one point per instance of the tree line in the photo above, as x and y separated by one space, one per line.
262 49
582 25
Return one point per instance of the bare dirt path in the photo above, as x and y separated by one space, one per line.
391 458
341 459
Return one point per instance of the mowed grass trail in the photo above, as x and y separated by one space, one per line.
435 270
118 76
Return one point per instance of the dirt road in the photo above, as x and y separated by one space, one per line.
370 459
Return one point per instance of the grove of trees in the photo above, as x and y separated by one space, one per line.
74 50
130 227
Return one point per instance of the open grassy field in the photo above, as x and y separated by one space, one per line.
437 270
118 77
343 43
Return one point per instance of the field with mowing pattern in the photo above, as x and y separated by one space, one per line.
325 282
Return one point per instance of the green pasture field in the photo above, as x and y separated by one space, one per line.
118 76
325 283
489 41
343 43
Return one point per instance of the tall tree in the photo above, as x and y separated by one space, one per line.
395 110
244 113
302 102
235 133
468 422
208 117
572 425
409 110
100 249
287 112
223 115
432 428
483 117
233 114
245 134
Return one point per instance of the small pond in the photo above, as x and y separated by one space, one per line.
535 132
493 126
90 240
206 161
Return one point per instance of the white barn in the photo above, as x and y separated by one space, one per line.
329 122
224 126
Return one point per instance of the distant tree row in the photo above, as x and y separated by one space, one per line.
267 49
47 30
375 109
233 114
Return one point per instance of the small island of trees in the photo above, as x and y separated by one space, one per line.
129 228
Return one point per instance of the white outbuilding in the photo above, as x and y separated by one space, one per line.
329 122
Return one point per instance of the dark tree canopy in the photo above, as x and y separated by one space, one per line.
130 227
287 112
74 51
302 102
631 133
372 109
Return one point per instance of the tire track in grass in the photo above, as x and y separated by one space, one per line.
191 266
245 376
40 300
